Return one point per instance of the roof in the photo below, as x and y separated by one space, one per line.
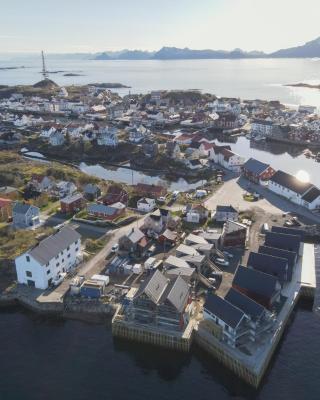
72 198
170 235
255 281
50 247
311 195
226 209
224 310
187 250
244 303
135 235
91 188
146 200
272 265
22 208
183 271
4 202
178 294
195 239
176 262
283 241
289 231
103 209
254 166
290 182
154 286
289 255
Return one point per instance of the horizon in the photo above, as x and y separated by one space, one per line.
79 27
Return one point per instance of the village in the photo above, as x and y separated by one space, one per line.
222 264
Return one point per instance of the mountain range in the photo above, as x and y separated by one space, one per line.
308 50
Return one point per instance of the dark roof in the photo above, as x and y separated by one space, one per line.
247 305
289 255
195 162
227 209
91 188
22 208
283 241
50 247
311 195
289 231
269 264
290 182
255 281
254 166
224 310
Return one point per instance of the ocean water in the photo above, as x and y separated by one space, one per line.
247 79
53 359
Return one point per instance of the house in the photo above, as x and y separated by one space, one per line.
135 240
109 212
262 127
194 164
65 188
115 194
290 256
223 156
5 209
263 288
257 171
72 204
150 149
91 192
136 135
9 192
54 255
146 204
188 274
108 136
56 138
224 213
234 234
154 222
301 193
161 301
271 265
232 324
192 239
196 213
25 215
173 150
226 121
168 237
146 190
41 183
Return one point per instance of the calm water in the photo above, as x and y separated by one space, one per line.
66 360
249 79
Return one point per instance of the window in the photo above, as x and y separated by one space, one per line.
48 272
57 257
77 248
62 260
57 265
69 255
68 248
29 274
28 258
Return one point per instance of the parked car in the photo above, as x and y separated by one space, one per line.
264 228
222 262
58 279
115 248
227 254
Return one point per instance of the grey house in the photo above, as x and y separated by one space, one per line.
25 215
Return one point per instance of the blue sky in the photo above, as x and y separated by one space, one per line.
98 25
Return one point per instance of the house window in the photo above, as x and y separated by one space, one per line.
28 258
57 257
69 255
68 248
77 248
48 272
62 260
29 274
57 265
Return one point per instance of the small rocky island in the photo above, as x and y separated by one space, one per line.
304 85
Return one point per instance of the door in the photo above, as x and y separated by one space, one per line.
31 283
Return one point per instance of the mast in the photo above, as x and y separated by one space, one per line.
45 73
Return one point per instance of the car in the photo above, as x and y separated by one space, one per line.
58 279
264 228
227 254
212 280
115 248
161 199
222 262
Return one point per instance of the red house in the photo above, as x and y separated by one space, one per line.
72 203
257 171
115 194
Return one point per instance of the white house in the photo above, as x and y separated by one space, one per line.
224 213
146 204
25 215
262 127
108 137
301 193
56 138
226 158
54 255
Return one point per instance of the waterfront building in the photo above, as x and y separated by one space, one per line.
269 264
25 215
262 127
160 301
263 288
44 262
257 171
290 256
301 193
146 204
284 241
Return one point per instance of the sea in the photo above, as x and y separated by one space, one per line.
50 358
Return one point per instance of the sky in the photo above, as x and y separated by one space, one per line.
62 26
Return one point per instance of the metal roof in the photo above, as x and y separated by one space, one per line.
224 310
254 166
244 303
23 208
50 247
311 195
255 281
289 231
289 255
290 182
269 264
283 241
